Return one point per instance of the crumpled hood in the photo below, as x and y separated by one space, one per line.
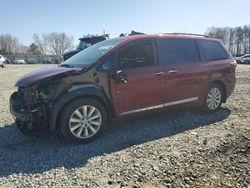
41 75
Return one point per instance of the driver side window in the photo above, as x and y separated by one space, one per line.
138 55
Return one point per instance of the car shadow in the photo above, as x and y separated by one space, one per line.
38 153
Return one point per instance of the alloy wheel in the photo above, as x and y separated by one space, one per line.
85 121
213 98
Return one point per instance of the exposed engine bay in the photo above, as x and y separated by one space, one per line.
30 106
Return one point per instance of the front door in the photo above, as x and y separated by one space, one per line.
146 79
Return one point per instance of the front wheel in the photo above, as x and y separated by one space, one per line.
247 62
213 98
83 120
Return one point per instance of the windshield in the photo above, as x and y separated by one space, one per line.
92 54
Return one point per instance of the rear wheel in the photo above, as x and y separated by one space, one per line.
247 62
213 98
83 120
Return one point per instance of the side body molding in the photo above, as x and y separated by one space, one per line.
76 91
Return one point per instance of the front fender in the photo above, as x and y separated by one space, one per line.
76 91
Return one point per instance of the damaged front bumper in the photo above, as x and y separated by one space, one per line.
28 117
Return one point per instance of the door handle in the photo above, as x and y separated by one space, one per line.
172 71
158 73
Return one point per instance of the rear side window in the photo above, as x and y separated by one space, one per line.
212 50
177 51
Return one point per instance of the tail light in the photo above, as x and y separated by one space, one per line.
233 65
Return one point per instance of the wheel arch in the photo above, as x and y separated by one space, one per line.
75 92
246 61
222 85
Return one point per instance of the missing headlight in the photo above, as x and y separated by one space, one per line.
47 90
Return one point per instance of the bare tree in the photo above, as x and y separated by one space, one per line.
58 43
246 33
245 39
248 36
220 33
21 49
9 44
41 43
55 43
231 40
237 39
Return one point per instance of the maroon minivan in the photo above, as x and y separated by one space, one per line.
123 76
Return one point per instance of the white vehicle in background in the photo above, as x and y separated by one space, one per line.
19 61
31 60
245 59
2 61
47 60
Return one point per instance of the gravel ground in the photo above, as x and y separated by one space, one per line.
177 149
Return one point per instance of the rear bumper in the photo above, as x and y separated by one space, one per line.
230 84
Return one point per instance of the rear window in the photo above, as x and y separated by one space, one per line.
212 50
177 51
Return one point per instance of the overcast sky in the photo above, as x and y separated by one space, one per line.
22 18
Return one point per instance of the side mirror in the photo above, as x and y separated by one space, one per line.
120 76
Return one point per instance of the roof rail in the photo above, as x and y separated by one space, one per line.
200 35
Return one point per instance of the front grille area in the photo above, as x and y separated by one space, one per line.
33 114
17 100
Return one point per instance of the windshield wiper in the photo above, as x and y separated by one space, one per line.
66 65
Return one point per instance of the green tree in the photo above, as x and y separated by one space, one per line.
33 49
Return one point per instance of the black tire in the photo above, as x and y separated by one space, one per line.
64 120
247 62
3 65
206 106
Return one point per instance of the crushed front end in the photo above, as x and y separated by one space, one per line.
30 105
29 109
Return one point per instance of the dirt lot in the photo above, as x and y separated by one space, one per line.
179 149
